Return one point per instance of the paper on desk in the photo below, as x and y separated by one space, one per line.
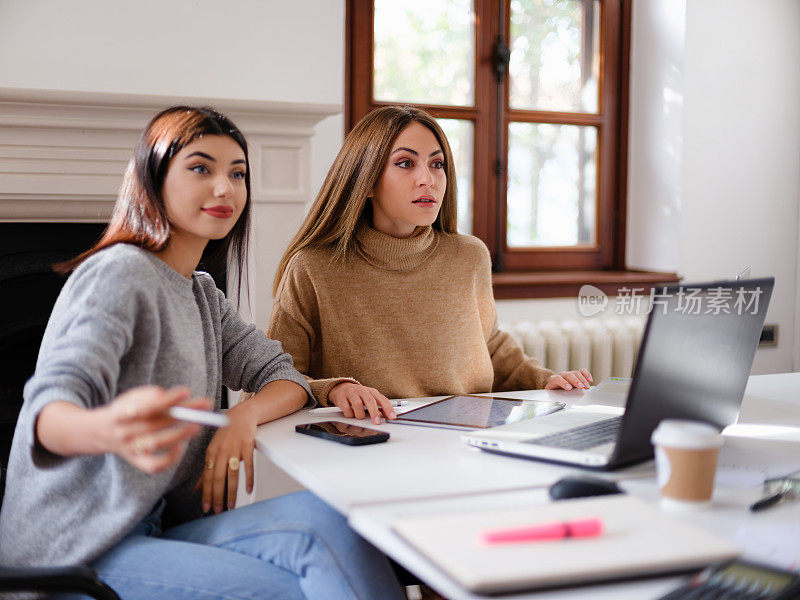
747 462
776 544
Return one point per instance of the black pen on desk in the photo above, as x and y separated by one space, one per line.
768 501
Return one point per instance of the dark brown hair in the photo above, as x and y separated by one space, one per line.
341 202
139 216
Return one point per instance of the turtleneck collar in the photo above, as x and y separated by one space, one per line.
395 254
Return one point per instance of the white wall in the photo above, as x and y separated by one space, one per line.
714 161
257 49
655 134
249 49
741 168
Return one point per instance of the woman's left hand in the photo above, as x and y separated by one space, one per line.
229 447
570 379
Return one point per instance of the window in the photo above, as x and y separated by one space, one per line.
532 95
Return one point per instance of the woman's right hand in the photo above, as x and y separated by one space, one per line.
137 426
354 398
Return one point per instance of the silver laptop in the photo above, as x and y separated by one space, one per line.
693 363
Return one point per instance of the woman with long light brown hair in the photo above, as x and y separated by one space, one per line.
378 295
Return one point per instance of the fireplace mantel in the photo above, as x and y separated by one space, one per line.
63 153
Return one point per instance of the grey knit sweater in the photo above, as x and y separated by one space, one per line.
123 319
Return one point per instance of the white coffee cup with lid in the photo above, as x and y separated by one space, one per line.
686 462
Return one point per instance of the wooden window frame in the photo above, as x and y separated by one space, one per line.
526 272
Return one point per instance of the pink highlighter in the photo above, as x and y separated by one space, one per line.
550 530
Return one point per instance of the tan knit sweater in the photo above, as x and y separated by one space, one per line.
411 317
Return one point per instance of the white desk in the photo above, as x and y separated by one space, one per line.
422 470
416 462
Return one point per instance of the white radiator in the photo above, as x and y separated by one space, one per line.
607 347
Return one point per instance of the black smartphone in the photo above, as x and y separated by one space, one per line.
344 433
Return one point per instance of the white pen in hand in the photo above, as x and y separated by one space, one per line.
203 417
335 409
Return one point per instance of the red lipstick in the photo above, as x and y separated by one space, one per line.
220 212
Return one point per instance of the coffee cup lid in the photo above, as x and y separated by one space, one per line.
686 434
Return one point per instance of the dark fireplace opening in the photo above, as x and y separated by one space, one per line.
29 288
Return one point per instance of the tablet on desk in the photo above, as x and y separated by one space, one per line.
476 412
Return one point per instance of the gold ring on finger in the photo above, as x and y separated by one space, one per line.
209 464
138 446
233 463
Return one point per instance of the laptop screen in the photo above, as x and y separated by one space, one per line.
695 358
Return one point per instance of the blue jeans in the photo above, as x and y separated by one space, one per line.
293 546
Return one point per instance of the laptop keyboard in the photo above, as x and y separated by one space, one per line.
583 437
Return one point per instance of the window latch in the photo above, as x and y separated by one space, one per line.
501 57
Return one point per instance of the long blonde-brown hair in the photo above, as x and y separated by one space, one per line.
340 204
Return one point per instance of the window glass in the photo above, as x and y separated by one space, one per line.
552 174
424 52
459 134
555 55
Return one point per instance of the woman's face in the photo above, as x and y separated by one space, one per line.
204 190
411 188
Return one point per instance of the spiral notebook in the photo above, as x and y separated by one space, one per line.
638 539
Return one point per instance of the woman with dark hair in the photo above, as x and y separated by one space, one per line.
100 473
378 295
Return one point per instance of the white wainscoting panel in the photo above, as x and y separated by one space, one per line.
62 154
